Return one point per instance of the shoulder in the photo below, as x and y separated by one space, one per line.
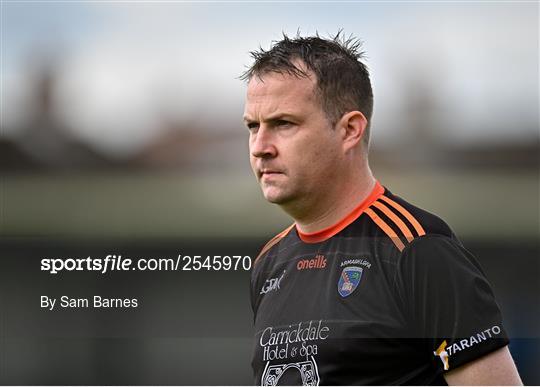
404 222
272 243
439 255
264 264
430 223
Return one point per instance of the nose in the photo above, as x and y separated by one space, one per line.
262 144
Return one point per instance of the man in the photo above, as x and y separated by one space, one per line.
363 288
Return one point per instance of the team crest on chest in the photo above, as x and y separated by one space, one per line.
348 280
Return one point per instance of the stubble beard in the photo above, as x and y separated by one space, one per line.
291 201
275 194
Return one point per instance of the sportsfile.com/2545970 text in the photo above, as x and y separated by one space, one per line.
118 263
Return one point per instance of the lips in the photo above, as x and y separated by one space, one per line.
269 173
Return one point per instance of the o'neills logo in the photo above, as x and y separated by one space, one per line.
319 262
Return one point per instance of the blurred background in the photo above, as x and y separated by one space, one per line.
121 133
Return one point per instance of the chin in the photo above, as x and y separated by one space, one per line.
274 199
277 197
272 196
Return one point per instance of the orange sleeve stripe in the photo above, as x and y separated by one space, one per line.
402 226
273 241
419 229
386 228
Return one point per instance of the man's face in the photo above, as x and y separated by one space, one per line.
294 151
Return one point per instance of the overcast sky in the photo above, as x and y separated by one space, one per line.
126 65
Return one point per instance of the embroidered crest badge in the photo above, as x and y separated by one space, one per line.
348 280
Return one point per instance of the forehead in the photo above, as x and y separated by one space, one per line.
275 91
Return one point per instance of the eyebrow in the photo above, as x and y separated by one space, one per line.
276 117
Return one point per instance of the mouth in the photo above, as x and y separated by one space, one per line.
269 173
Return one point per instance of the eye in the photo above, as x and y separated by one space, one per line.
252 126
283 123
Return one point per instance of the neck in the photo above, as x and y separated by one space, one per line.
325 210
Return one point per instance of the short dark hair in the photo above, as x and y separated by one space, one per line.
342 83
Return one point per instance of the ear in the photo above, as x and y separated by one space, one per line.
352 126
